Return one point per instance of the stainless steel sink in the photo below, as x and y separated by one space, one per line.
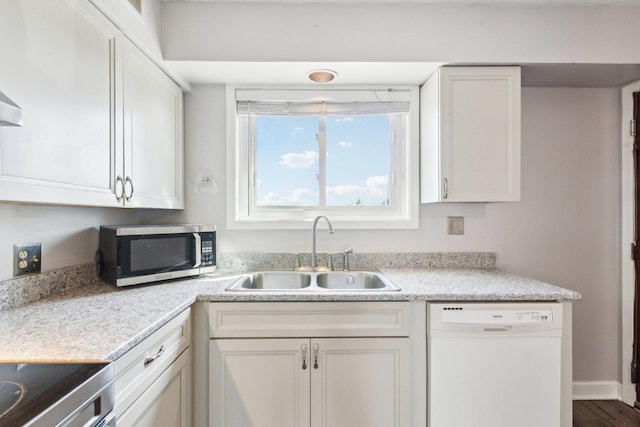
286 281
353 280
272 281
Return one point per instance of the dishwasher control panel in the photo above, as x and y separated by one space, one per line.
509 319
489 316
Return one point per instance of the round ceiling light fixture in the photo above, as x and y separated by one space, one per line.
322 76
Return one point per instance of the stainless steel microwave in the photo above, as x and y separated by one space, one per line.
135 254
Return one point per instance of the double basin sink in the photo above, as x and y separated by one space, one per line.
286 281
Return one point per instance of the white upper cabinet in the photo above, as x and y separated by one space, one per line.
470 135
93 115
153 141
57 66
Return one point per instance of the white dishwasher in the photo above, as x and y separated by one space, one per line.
494 365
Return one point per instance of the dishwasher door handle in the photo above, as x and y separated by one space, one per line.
497 329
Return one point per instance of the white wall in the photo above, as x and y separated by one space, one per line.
69 235
564 231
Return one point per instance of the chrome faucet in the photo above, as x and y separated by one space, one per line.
314 258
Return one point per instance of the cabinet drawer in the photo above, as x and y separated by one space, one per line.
309 319
137 369
165 402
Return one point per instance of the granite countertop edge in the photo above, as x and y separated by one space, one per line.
102 322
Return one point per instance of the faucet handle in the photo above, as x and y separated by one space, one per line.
346 259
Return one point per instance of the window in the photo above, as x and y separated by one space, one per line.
348 154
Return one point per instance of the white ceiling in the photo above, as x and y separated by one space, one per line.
402 73
393 73
295 73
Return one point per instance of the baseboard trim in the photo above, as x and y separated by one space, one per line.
597 390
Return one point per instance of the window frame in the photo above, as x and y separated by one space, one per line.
404 170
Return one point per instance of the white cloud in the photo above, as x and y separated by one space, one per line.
269 199
348 191
304 160
345 144
378 186
375 191
297 130
345 119
298 197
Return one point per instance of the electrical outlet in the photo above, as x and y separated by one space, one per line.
27 259
455 225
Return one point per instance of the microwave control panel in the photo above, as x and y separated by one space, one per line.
208 249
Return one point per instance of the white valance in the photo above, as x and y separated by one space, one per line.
329 102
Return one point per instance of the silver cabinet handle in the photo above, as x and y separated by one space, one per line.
445 188
150 360
128 198
121 195
316 348
303 348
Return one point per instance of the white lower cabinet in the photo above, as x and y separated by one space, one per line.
320 382
153 379
360 382
259 383
165 403
279 378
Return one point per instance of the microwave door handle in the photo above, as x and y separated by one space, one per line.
197 249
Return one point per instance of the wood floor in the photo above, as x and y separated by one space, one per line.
604 413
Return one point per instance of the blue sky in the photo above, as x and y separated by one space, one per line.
357 160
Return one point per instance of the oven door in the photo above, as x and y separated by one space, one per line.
154 257
56 394
95 412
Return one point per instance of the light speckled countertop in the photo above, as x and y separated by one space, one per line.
102 322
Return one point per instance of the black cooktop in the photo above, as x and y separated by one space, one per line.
28 389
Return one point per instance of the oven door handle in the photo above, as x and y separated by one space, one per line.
197 249
108 421
95 412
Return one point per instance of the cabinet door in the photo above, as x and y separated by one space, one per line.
480 132
153 141
57 65
259 383
470 135
360 382
166 402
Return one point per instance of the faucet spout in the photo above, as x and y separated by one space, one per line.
314 258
